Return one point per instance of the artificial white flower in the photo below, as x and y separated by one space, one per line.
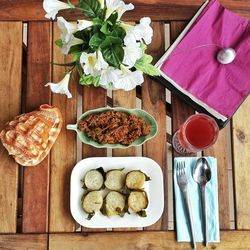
117 5
144 30
53 6
71 42
132 53
129 79
61 87
66 28
100 63
83 24
139 32
109 75
123 8
88 62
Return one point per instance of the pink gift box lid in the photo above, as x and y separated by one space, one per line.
193 63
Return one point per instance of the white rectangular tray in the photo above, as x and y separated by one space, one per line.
154 189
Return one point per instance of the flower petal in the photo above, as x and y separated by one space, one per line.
53 6
83 24
88 62
66 28
100 63
144 30
109 75
71 42
123 8
61 87
131 54
129 80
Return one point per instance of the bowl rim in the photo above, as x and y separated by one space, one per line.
121 109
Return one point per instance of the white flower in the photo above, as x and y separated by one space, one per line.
128 80
83 24
109 75
88 62
144 30
61 87
53 6
71 42
139 32
66 28
100 63
92 63
117 5
123 8
132 53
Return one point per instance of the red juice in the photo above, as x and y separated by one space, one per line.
200 132
196 134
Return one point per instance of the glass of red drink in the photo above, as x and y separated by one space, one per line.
198 132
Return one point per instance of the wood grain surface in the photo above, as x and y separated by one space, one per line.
63 153
126 99
154 102
10 106
241 147
36 179
26 10
221 150
23 241
230 240
93 98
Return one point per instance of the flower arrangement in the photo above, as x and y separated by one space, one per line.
105 50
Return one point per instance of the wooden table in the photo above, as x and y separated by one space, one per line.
34 201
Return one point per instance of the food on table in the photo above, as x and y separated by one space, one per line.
135 179
29 137
92 202
114 127
93 180
115 204
138 201
115 179
122 192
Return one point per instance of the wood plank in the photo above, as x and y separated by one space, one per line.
36 179
63 153
154 102
241 146
180 110
26 10
10 106
93 98
230 240
222 151
125 99
23 241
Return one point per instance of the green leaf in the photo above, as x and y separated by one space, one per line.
59 43
118 32
76 56
113 55
75 49
111 41
96 40
90 80
90 7
143 47
144 64
105 28
112 18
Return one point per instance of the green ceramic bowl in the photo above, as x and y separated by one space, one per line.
138 112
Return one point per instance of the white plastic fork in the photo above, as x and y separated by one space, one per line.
183 184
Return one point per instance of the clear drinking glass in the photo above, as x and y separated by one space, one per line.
197 133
